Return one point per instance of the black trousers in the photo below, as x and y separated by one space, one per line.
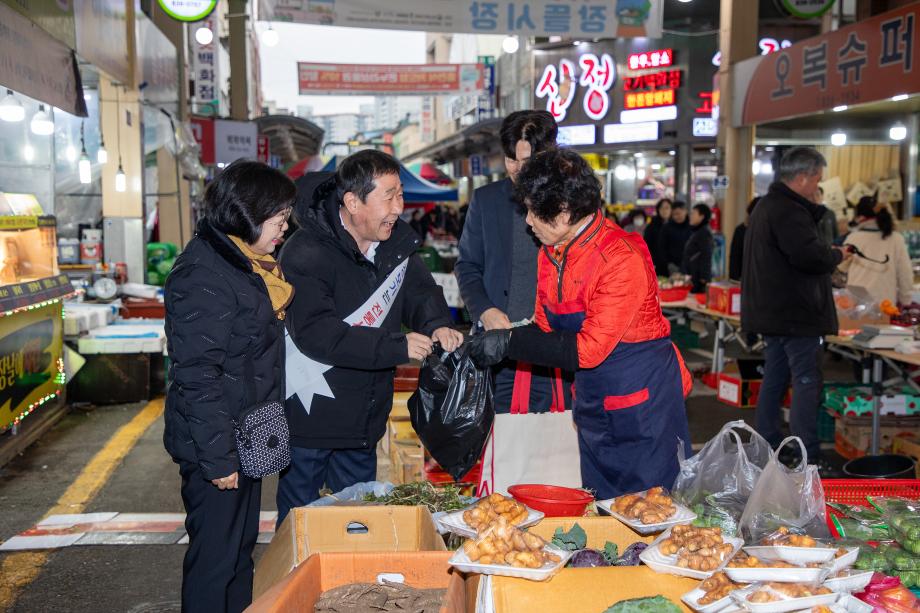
222 528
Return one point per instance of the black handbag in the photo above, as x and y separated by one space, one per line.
263 440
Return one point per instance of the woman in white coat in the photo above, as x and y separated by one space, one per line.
874 237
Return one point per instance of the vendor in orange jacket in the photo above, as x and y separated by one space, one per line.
598 314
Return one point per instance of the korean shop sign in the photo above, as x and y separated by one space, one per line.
651 89
390 78
187 10
872 60
559 83
572 18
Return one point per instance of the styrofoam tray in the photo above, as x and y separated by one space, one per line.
848 603
660 563
454 522
793 555
683 515
854 582
781 606
690 599
780 575
845 561
462 562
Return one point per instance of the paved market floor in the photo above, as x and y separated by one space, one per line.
111 459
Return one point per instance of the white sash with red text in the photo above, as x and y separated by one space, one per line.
304 376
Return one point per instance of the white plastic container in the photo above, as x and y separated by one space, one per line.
780 575
462 562
845 561
793 555
454 522
852 582
660 563
782 606
691 598
683 515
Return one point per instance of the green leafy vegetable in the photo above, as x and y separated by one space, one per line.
611 552
655 604
573 540
445 498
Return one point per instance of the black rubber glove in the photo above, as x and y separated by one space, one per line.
488 348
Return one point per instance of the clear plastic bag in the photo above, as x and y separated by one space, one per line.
903 518
452 410
716 482
793 498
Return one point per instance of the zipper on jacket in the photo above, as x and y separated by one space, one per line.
560 266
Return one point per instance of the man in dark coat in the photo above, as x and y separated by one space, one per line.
697 261
786 296
497 276
674 236
357 281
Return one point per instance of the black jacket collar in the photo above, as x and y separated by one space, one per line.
319 215
784 191
222 244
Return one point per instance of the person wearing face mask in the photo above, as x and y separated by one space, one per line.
497 275
697 260
358 281
635 221
225 305
598 313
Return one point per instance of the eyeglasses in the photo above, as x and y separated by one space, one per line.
285 215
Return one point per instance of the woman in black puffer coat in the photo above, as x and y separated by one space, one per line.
697 261
225 301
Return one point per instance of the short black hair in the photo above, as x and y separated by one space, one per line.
703 210
556 181
661 202
244 195
535 127
359 171
678 204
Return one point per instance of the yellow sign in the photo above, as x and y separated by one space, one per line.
31 344
18 222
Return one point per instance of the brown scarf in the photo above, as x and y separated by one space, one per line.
280 292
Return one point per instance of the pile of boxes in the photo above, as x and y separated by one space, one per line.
852 406
407 458
724 297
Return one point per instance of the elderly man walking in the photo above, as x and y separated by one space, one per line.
787 296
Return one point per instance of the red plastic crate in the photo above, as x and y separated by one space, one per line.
854 491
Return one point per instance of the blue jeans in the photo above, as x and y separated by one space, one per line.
299 484
795 358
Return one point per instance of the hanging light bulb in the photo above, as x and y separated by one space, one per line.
84 168
102 156
839 139
204 35
510 44
28 152
121 180
898 131
270 37
41 123
11 108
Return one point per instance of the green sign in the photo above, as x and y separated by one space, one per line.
187 10
807 9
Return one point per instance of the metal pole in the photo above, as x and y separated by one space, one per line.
911 161
877 367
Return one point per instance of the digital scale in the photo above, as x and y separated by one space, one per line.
883 337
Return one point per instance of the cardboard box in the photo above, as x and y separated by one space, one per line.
408 464
300 590
309 530
599 530
909 447
724 297
400 410
739 383
853 435
587 589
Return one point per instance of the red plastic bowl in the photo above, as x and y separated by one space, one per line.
674 294
553 500
700 299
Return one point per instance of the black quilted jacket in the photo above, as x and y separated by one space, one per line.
217 313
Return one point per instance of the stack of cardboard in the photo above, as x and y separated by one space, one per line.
407 460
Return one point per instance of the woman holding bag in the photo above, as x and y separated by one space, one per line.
225 302
597 313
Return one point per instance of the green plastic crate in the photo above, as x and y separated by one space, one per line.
827 425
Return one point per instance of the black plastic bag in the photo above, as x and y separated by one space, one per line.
452 410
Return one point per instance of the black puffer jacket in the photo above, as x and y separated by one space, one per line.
217 315
786 274
698 258
332 279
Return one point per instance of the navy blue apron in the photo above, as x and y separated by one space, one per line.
629 410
